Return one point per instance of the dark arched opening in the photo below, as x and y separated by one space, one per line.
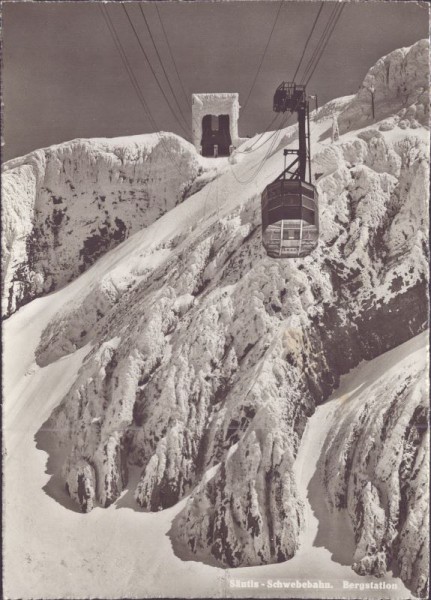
216 140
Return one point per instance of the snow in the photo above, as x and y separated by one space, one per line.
400 84
233 185
327 544
67 205
114 552
118 552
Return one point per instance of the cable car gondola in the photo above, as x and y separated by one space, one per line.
290 220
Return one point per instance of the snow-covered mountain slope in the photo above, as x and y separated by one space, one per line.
83 553
375 464
204 354
400 85
65 206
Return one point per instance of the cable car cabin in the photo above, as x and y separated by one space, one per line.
290 221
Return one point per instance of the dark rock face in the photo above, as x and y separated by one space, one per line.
379 328
95 246
80 484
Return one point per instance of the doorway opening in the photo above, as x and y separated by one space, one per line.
216 139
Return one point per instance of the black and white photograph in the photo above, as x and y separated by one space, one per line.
215 265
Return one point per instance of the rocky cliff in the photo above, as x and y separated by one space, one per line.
65 206
366 304
399 83
375 464
206 357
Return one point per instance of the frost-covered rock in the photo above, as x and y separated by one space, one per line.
80 483
206 356
250 512
376 464
400 85
219 345
65 206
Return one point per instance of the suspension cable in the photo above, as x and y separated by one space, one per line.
249 149
263 55
161 64
326 43
308 73
151 68
308 39
264 159
285 122
259 137
186 96
281 125
320 44
133 80
125 61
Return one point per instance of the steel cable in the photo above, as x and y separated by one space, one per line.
263 55
308 39
151 68
133 79
162 65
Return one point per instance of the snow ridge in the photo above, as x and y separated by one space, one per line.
67 205
400 85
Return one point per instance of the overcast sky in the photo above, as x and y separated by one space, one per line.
63 77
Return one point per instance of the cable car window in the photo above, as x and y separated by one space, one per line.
292 200
291 234
308 215
214 123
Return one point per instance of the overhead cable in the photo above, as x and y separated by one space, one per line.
317 50
125 61
308 39
186 96
263 55
152 70
162 65
133 79
326 43
265 158
259 137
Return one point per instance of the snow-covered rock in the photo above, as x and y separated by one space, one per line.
65 206
400 85
219 346
206 355
375 464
